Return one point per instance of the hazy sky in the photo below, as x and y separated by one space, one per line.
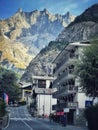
76 7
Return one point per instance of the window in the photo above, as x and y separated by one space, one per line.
41 83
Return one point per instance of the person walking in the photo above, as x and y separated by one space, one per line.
50 117
64 120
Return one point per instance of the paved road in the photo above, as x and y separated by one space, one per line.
20 119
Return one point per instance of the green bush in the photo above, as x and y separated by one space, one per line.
2 108
91 115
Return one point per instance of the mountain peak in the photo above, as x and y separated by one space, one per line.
68 13
20 10
46 11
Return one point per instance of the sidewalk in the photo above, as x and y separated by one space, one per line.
68 127
57 126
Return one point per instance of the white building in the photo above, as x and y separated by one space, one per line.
70 100
43 99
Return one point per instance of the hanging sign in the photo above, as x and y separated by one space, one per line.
66 109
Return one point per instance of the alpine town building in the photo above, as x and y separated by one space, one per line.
70 100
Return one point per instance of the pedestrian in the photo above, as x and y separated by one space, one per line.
50 116
64 120
43 116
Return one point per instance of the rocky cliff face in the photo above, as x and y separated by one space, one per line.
41 64
85 27
79 32
13 55
29 32
76 31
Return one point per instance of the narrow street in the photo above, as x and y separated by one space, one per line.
20 119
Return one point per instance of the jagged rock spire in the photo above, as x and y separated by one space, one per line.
20 10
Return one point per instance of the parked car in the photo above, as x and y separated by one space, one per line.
15 105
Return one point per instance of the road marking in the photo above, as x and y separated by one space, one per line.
27 119
27 125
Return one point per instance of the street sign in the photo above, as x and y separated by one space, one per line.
88 103
66 109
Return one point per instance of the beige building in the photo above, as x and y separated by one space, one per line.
70 100
26 89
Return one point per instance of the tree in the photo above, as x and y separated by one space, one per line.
87 70
2 108
8 84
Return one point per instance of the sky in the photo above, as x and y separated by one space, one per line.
9 7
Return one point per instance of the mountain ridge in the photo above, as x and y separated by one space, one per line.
90 14
83 30
31 31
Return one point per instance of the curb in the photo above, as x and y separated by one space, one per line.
5 121
67 127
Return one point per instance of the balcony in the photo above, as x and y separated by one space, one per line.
61 106
69 89
68 73
61 63
70 58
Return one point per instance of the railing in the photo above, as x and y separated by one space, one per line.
65 90
63 60
68 57
60 106
63 75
